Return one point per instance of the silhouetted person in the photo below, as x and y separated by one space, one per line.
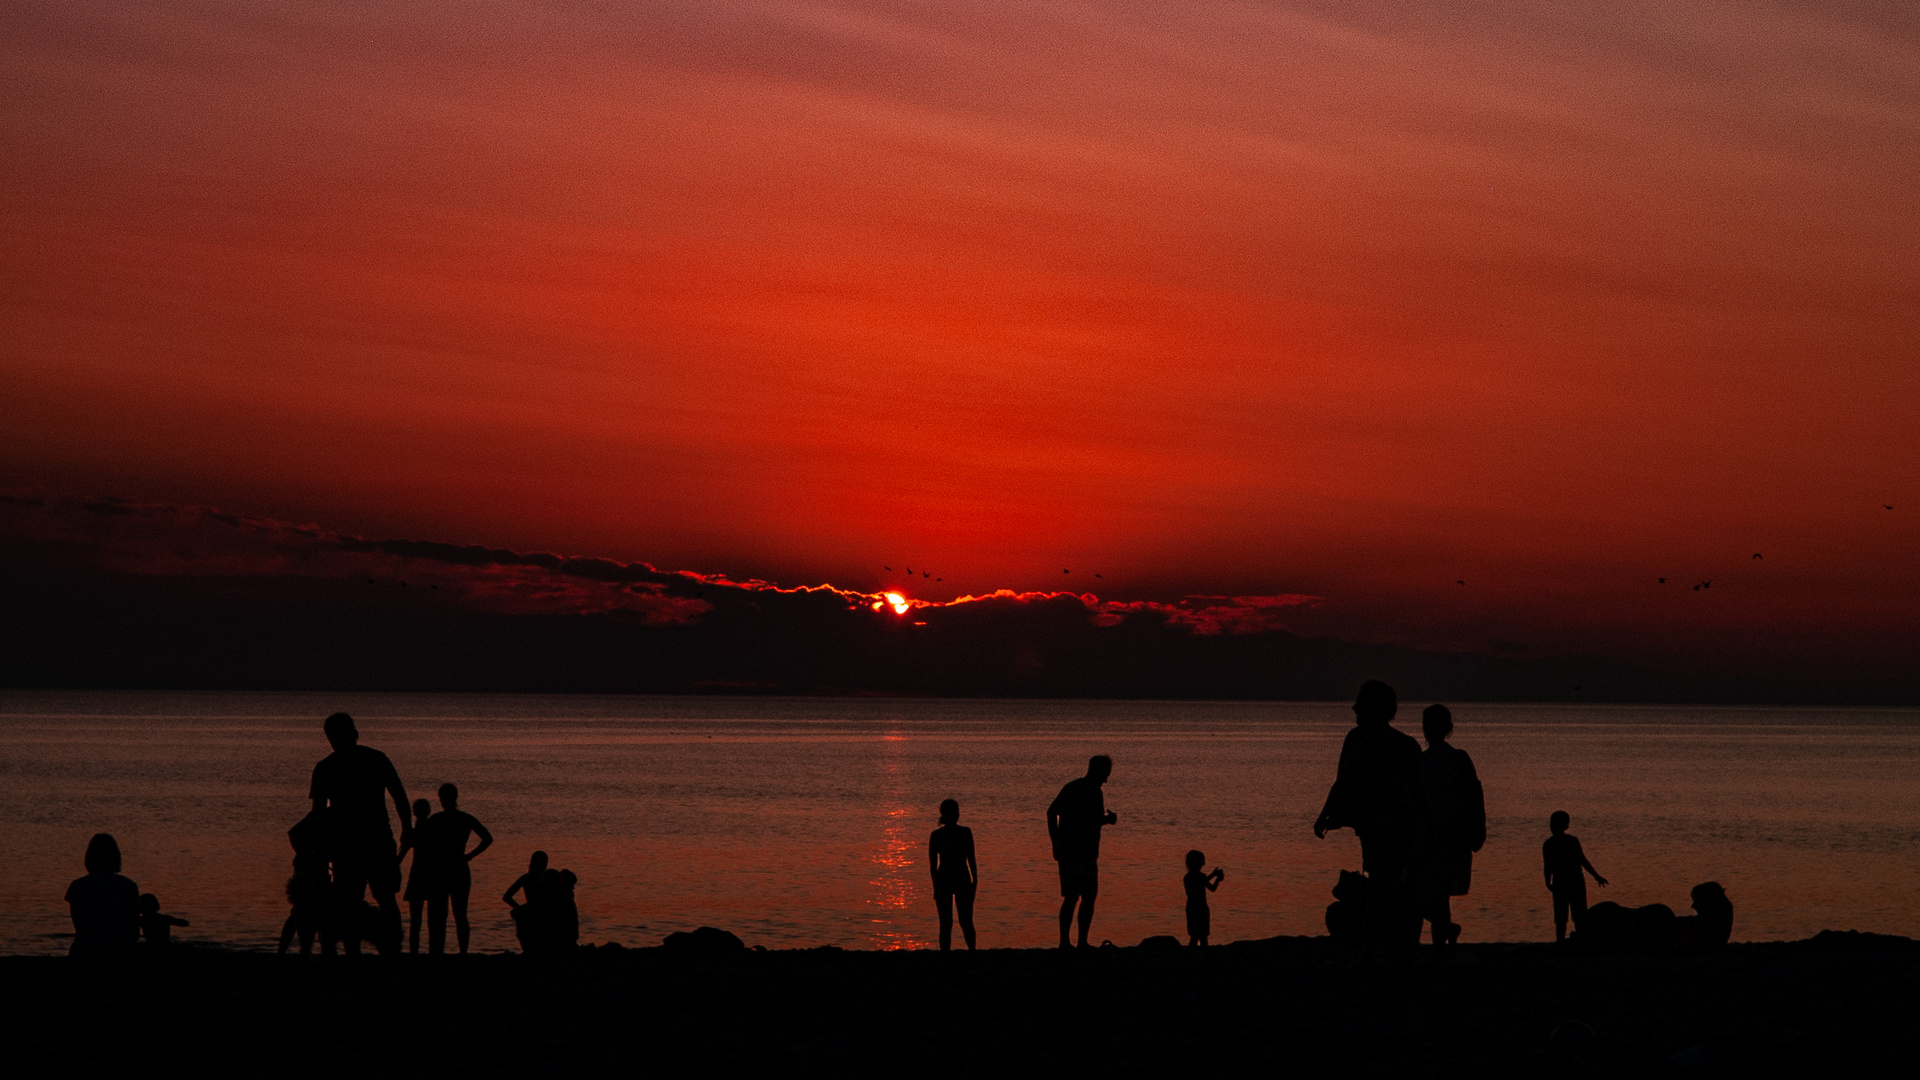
1377 793
443 839
310 889
1711 924
105 906
955 875
1566 867
1456 824
1198 884
420 875
1074 821
556 915
529 885
155 927
350 784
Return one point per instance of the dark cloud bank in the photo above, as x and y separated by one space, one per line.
107 593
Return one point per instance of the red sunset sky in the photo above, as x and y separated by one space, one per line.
1349 300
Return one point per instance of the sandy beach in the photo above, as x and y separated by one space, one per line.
1292 1005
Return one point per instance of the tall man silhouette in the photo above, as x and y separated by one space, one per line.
1378 794
347 791
1074 821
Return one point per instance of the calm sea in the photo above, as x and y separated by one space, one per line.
804 822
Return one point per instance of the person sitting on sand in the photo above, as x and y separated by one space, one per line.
1198 884
526 915
157 928
443 840
1566 868
561 921
1456 825
105 906
1074 821
1710 925
955 876
1377 793
419 875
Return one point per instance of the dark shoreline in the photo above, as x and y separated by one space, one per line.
1297 1005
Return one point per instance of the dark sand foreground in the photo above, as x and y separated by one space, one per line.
1292 1005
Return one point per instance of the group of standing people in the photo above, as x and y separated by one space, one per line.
1420 816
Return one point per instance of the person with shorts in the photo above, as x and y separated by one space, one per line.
1074 821
348 787
1566 872
955 875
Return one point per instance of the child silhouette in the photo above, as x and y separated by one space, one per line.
155 927
1198 885
420 876
1566 867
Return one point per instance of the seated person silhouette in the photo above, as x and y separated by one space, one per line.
310 889
955 875
554 918
1198 884
419 875
155 927
443 841
1711 924
526 915
1566 867
105 906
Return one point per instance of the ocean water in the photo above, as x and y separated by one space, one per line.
801 822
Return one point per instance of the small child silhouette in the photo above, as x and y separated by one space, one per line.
155 927
1566 867
1198 885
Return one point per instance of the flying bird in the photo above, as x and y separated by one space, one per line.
1888 507
1756 554
923 573
1459 583
1663 581
887 568
1096 575
1066 571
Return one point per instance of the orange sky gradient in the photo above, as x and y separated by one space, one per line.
1342 300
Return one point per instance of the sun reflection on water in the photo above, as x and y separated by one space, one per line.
894 887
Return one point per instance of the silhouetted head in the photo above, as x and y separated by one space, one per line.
1099 767
103 854
1709 897
341 733
1196 859
422 810
449 796
568 880
550 881
1559 822
1376 703
537 863
149 904
949 811
1437 722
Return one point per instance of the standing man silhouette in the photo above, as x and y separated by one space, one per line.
348 786
1378 794
1074 821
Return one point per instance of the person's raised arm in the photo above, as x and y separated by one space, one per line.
486 839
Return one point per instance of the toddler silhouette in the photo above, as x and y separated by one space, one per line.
1198 885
